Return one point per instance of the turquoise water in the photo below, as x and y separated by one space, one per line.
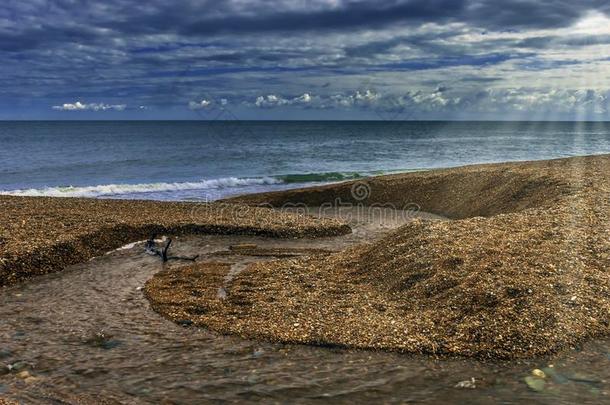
186 160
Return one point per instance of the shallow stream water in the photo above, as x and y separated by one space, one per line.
88 335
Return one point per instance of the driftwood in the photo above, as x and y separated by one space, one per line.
151 248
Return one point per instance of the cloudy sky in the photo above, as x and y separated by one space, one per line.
299 59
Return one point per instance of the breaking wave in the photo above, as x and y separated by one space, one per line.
118 189
213 184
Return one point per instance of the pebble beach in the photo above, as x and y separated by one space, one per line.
520 272
504 263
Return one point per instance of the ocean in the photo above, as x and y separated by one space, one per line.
208 160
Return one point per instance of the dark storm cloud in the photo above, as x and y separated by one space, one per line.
61 21
353 15
192 18
514 14
46 36
130 52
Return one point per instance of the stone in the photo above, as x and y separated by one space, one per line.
469 384
538 373
19 366
535 383
185 322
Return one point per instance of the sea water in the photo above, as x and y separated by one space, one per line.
207 160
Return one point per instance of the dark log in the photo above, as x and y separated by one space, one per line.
151 248
164 255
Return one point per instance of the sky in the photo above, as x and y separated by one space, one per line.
297 59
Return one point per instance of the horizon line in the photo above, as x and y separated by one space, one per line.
304 120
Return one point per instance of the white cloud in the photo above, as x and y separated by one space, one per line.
70 107
367 96
78 106
440 99
273 100
198 105
359 98
305 99
593 23
270 100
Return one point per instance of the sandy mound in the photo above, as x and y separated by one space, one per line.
40 235
530 279
480 190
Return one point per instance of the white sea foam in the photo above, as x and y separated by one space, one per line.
118 189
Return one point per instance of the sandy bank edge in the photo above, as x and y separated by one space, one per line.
42 235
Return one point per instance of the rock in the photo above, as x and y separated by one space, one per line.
538 373
19 366
103 340
184 322
24 374
5 353
535 383
469 384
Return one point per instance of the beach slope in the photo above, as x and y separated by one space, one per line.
521 271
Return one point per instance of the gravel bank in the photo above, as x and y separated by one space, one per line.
41 235
522 271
